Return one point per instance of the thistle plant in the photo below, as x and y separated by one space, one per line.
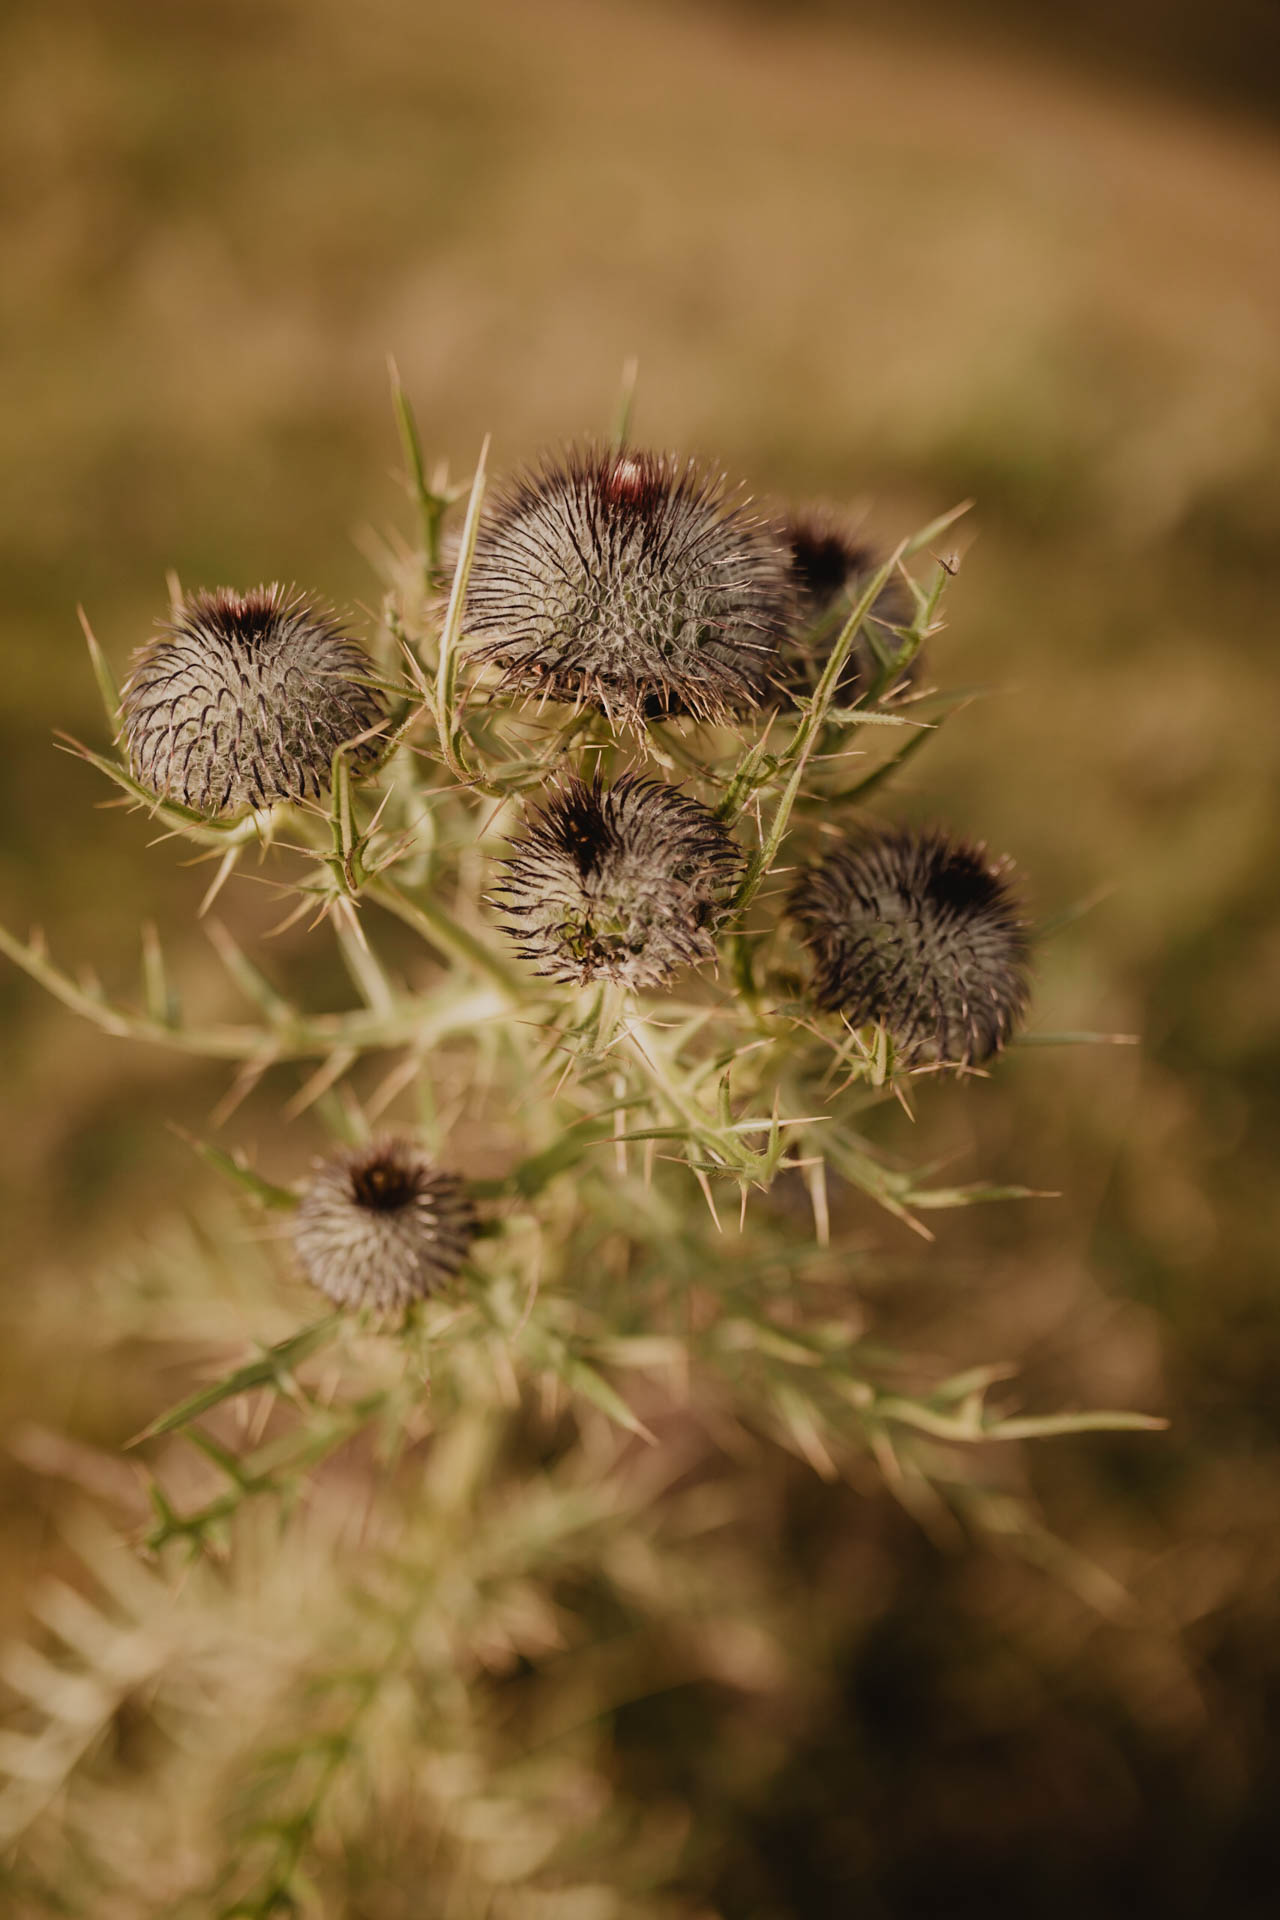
244 700
921 934
381 1225
635 582
829 564
621 884
618 1004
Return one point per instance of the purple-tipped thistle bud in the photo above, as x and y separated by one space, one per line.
621 883
382 1225
923 934
830 568
243 700
632 582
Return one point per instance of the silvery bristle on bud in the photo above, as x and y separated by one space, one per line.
243 700
381 1225
830 568
633 582
922 933
620 883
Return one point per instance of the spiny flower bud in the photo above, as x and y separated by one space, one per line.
244 699
381 1225
830 568
620 883
921 933
631 582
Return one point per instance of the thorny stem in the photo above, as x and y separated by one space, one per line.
807 734
416 1022
802 743
446 687
431 504
647 1057
429 919
595 1275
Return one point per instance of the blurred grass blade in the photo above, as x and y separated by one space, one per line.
267 1370
102 673
1076 1040
279 1199
626 402
158 997
251 981
431 505
447 665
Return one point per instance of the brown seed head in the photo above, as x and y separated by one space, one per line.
630 581
244 699
381 1225
830 567
922 933
620 883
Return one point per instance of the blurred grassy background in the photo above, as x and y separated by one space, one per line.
901 261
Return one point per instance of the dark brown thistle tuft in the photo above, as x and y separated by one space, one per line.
381 1226
244 699
620 883
921 933
830 567
632 582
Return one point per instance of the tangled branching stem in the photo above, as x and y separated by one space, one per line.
574 1278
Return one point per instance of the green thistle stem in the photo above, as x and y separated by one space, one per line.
436 926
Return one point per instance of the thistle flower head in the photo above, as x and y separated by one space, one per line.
628 581
830 567
381 1225
922 933
243 700
619 883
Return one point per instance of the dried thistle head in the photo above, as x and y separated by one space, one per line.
830 567
243 700
922 933
381 1225
632 582
620 883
